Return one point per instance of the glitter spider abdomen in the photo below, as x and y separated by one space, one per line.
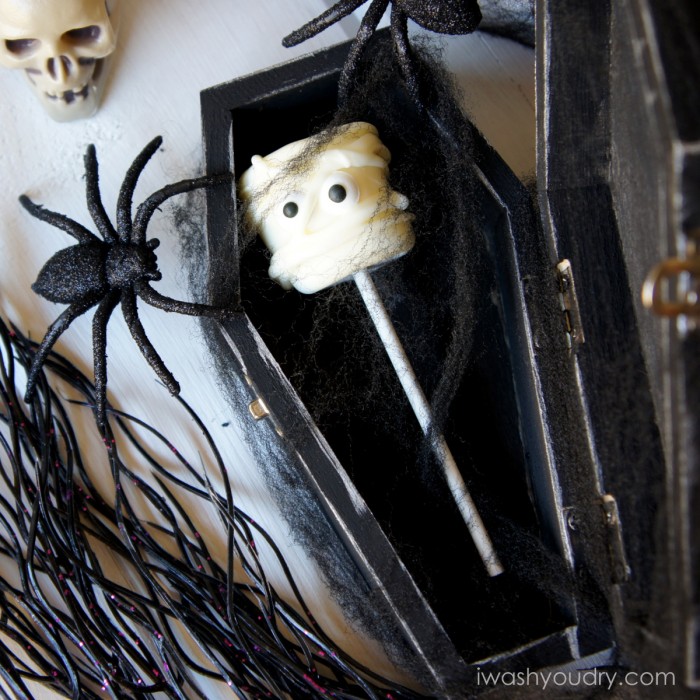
115 269
89 270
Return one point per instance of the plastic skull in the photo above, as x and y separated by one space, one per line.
324 208
60 45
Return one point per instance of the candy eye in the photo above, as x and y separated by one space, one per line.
290 209
337 193
340 190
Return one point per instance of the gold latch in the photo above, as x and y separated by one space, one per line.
672 288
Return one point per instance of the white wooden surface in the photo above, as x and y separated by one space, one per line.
169 50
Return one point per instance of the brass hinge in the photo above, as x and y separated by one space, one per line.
620 571
258 409
672 288
569 305
616 544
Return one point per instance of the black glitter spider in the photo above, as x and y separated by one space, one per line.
442 16
117 268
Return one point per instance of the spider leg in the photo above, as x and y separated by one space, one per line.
147 350
150 296
126 193
404 54
94 198
148 207
52 335
323 21
60 221
99 353
364 34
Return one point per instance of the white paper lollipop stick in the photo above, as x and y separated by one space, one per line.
421 408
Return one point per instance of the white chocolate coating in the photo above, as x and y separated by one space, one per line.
326 211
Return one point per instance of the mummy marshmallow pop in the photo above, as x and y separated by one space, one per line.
325 210
332 216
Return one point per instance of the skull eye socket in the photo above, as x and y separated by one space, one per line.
22 48
82 36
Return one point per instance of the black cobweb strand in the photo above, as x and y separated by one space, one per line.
147 208
241 523
442 201
238 519
26 575
437 145
43 433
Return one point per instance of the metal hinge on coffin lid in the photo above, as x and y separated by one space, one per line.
258 409
569 305
620 567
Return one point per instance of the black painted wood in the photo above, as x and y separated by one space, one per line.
302 472
535 379
617 174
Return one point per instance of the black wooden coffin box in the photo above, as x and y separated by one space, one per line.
578 454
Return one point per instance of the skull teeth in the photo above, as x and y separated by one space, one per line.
70 96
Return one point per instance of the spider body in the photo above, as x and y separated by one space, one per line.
444 17
441 16
113 268
99 267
